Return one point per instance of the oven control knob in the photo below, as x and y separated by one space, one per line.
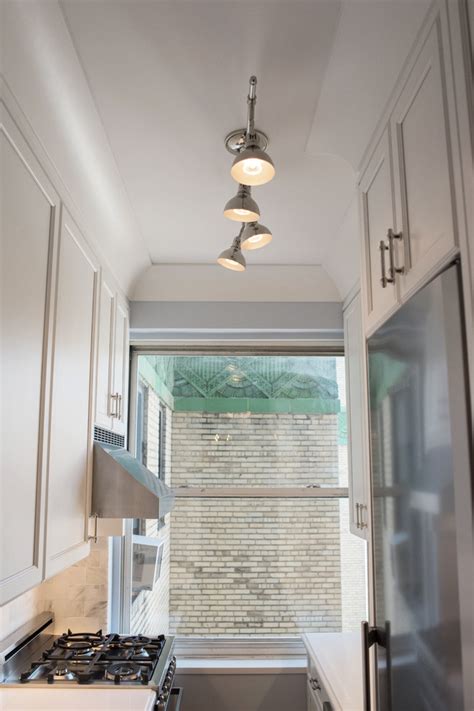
161 705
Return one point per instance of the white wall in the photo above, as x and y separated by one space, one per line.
241 321
43 74
210 282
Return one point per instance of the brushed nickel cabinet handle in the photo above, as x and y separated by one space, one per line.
393 270
113 403
116 410
384 279
357 515
362 508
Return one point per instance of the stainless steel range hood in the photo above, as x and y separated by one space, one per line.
124 488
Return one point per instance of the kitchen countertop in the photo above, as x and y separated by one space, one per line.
39 698
338 658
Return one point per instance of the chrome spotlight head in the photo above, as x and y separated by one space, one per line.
242 207
252 166
255 236
233 258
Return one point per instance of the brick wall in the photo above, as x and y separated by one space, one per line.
243 449
243 566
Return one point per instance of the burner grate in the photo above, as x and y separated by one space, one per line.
93 657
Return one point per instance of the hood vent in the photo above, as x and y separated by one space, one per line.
124 488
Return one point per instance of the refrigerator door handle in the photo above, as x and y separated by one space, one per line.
370 636
366 664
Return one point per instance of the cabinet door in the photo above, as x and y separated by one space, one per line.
354 349
71 414
105 356
29 219
378 216
121 361
423 188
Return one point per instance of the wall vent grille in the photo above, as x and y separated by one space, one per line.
108 437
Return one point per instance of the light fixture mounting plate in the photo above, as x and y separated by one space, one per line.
235 140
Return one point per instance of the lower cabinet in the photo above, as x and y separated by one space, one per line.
70 440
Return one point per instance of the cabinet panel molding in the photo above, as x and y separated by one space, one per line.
70 443
29 233
378 216
424 188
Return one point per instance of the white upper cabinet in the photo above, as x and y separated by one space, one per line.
50 346
356 399
70 460
408 187
29 227
380 288
113 360
424 187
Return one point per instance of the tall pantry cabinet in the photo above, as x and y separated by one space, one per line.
51 287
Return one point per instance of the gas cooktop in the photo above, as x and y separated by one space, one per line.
36 657
88 658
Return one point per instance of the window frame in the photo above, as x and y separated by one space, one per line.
123 547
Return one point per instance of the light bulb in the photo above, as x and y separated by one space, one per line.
252 166
255 238
241 212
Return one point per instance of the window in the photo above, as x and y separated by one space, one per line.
258 542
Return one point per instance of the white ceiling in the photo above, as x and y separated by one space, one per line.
170 80
132 100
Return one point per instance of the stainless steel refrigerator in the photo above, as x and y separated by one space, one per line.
421 460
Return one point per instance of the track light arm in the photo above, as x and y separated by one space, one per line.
251 101
238 238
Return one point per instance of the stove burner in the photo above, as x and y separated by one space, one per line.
134 642
80 642
61 670
123 671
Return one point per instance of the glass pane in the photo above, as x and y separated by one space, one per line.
264 567
243 566
250 421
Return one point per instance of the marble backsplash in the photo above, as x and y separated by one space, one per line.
78 597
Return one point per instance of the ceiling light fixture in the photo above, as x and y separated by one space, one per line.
251 166
233 258
255 236
242 207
